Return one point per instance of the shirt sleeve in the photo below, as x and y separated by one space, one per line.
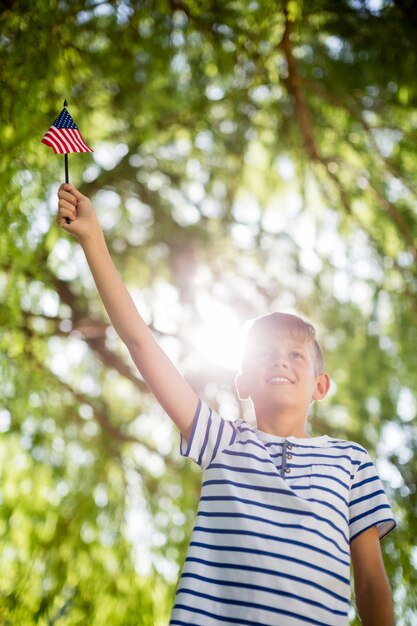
368 505
210 435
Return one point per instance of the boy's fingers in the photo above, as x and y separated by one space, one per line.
67 203
70 193
77 194
68 197
67 213
66 209
63 218
62 221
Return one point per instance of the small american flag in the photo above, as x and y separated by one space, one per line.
64 137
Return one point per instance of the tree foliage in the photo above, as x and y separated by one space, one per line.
252 156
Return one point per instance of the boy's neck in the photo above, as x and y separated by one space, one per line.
283 425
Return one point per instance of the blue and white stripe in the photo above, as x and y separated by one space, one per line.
271 540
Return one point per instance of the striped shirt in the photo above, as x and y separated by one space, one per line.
270 545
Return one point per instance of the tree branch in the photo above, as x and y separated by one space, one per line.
293 84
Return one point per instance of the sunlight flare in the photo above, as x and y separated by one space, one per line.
220 337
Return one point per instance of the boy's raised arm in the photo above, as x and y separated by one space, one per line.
163 379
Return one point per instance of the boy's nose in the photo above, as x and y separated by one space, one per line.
280 360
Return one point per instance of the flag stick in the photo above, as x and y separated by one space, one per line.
67 219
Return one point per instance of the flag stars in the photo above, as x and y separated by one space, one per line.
64 120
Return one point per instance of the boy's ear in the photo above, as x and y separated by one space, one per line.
241 387
322 386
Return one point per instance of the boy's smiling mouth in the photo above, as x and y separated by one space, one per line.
279 380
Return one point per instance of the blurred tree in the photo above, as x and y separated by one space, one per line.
249 156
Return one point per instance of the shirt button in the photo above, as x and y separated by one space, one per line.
289 457
289 446
287 470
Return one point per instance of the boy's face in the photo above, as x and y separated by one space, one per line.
280 373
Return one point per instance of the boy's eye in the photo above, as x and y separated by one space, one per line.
297 355
266 354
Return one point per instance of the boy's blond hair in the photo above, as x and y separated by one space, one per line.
283 325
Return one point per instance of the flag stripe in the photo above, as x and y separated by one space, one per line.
64 140
70 139
55 142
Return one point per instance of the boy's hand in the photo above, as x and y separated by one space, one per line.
76 207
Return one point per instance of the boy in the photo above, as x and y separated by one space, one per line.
281 513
